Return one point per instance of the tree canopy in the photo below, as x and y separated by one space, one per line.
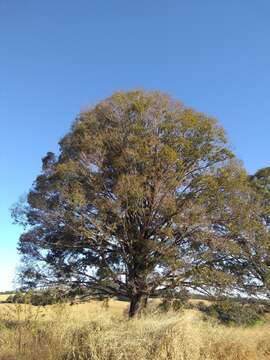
256 243
145 196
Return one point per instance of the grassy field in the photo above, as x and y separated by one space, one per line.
94 332
3 297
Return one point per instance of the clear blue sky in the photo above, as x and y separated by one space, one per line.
59 56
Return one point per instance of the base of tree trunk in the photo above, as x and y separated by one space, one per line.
138 303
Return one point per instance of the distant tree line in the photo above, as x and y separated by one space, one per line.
146 198
43 297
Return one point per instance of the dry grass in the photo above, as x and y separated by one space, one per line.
90 331
3 297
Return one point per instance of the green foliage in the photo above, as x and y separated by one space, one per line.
174 300
234 312
39 298
261 181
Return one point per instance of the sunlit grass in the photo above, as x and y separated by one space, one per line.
3 297
93 331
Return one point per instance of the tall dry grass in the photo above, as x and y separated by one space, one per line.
92 332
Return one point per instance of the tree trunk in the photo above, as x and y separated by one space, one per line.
138 302
134 305
144 302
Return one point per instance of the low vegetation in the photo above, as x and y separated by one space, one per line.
102 331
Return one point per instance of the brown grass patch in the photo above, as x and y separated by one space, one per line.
90 331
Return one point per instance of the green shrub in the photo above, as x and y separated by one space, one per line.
234 312
37 298
18 298
174 301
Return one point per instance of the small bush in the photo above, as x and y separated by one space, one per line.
174 301
17 298
233 312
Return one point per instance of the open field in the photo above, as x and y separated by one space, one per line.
92 331
3 297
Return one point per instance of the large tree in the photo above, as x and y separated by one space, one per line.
260 182
250 259
255 240
139 200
